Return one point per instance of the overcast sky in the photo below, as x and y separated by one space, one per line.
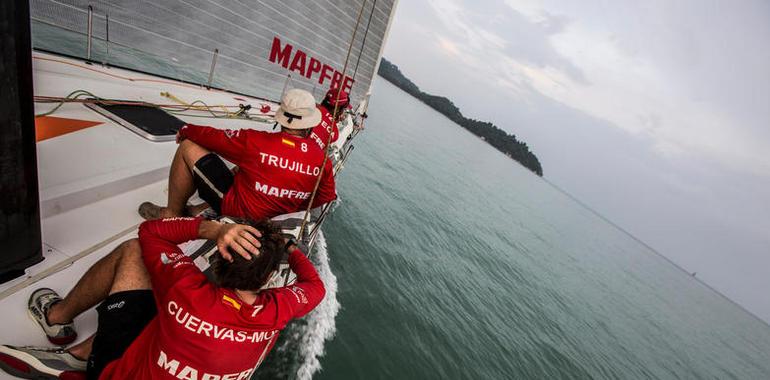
654 113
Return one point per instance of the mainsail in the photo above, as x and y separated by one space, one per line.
257 48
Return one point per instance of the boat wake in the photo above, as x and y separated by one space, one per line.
321 325
298 353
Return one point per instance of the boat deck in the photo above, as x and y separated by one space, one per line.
93 179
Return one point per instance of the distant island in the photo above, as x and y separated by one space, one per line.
493 135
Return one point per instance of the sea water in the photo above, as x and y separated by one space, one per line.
448 260
452 261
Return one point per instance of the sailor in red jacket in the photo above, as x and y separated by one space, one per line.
277 172
335 100
201 330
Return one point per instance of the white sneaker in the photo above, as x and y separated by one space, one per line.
41 363
39 303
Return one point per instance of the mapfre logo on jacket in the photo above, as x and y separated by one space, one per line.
185 372
277 171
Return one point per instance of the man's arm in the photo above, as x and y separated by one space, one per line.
230 144
169 266
299 299
165 262
327 189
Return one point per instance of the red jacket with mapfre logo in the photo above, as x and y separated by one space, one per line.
277 171
320 133
203 331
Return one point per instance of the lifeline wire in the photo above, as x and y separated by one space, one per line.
334 115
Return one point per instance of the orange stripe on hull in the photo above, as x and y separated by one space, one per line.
48 127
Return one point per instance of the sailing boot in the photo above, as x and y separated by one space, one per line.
41 363
39 303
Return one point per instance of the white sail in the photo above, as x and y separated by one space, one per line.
262 46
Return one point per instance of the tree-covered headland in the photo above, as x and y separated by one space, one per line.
498 138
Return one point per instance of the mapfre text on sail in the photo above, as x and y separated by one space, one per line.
306 65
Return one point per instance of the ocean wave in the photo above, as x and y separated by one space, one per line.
320 324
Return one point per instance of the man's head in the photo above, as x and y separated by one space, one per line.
298 111
336 99
251 274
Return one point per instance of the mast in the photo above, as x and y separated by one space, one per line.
20 236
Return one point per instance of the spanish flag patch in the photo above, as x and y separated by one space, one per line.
288 142
229 301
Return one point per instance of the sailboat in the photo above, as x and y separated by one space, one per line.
110 82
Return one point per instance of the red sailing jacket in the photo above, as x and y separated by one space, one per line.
202 331
277 171
321 131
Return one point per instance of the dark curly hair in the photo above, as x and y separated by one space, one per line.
251 274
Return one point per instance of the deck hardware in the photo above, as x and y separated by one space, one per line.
213 65
285 84
89 33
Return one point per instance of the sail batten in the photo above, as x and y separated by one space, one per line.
260 44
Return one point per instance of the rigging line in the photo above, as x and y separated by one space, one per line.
170 108
176 109
363 44
70 97
192 106
95 99
334 116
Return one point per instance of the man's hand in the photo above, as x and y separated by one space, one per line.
242 239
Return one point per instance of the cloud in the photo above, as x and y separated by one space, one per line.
638 76
448 46
634 75
477 40
644 97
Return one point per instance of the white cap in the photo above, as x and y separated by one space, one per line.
298 110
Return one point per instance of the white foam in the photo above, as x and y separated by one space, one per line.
320 324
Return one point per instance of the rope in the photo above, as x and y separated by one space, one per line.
95 99
363 43
174 109
193 106
71 96
305 218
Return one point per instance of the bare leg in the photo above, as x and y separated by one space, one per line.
121 269
180 180
82 349
193 210
131 273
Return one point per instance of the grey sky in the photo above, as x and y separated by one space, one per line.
655 113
